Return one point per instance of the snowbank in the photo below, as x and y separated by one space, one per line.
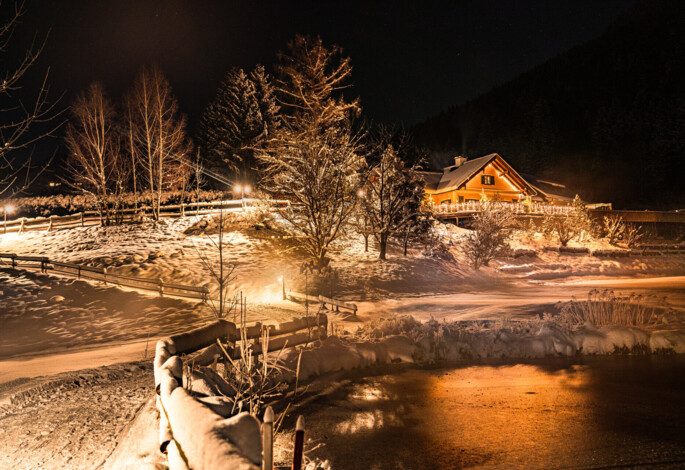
402 339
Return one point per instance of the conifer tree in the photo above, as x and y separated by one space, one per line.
242 114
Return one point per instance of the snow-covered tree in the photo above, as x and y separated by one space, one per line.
159 135
94 162
313 158
491 231
393 197
266 100
243 113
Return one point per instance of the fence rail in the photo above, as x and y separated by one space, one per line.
90 218
45 264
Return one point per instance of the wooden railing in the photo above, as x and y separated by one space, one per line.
335 304
89 218
193 435
45 265
515 207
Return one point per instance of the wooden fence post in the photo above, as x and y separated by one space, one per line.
299 444
268 439
161 288
183 210
104 272
82 223
21 228
51 222
14 262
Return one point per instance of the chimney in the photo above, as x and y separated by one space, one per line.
459 161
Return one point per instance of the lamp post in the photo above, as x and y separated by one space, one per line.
7 209
243 189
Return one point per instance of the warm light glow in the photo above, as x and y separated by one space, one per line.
280 279
237 188
9 209
361 193
247 189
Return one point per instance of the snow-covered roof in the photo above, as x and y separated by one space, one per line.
550 188
453 177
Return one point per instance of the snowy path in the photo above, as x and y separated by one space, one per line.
71 420
519 299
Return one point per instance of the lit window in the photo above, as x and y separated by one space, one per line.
487 179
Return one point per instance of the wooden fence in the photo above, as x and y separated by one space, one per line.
192 434
45 265
89 218
334 304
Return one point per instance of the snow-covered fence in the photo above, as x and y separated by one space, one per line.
191 432
100 274
335 304
89 218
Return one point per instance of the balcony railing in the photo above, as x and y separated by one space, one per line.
515 207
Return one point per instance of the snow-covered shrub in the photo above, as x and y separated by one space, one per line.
491 232
614 227
585 223
603 308
632 234
562 226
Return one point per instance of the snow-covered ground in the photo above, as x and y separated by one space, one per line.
53 324
47 312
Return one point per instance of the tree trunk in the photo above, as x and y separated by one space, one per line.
366 243
406 241
383 242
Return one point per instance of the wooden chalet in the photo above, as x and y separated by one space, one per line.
489 178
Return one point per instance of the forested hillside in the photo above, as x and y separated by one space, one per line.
607 117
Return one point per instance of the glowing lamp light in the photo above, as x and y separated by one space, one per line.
9 209
361 193
247 189
237 188
280 279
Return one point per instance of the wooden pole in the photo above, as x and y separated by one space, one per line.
268 439
299 444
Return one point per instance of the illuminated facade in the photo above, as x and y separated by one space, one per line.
486 178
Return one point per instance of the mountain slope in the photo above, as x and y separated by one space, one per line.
607 117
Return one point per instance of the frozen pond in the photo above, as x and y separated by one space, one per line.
604 412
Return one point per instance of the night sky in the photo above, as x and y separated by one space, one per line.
411 59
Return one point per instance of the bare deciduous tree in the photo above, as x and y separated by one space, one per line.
94 162
220 271
18 117
159 135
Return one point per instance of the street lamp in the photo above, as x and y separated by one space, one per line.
243 190
8 209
